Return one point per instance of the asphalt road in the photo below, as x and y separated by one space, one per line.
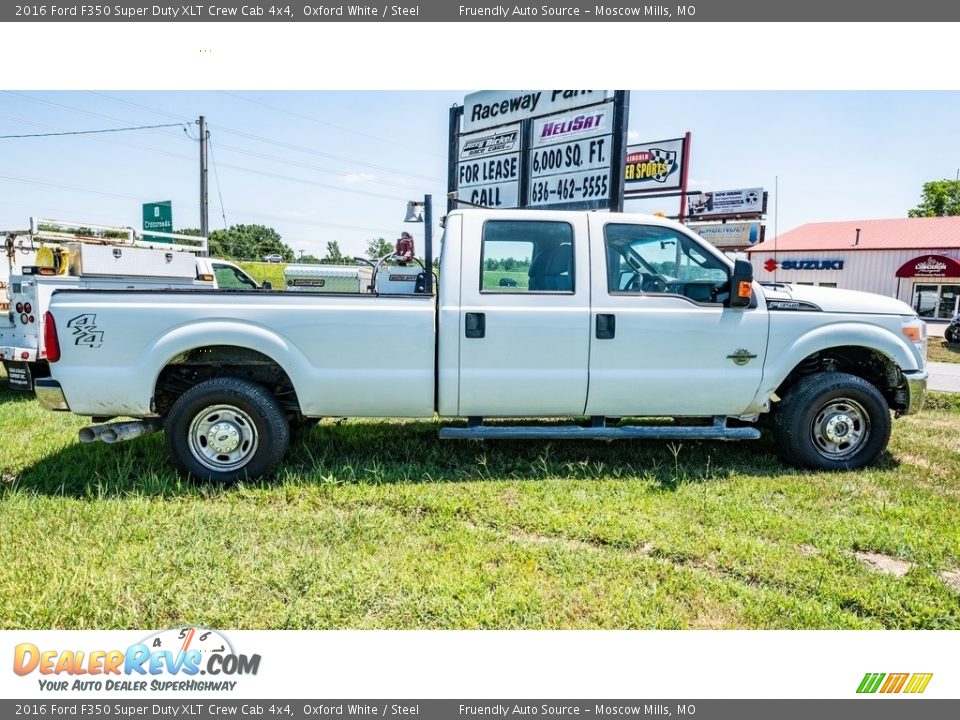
944 376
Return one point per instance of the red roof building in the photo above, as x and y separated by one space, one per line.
914 259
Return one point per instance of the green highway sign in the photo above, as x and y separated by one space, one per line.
158 216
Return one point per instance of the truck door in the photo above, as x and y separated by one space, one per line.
663 342
524 316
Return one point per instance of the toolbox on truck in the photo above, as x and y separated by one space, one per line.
86 259
328 278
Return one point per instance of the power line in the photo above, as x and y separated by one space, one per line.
194 206
86 132
256 138
328 124
216 175
260 138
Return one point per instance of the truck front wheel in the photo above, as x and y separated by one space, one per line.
832 421
226 429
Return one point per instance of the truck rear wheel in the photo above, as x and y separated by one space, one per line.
832 421
226 429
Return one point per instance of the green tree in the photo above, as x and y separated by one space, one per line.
378 247
940 198
335 257
248 242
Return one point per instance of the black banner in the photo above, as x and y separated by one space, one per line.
489 11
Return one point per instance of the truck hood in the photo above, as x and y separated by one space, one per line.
837 301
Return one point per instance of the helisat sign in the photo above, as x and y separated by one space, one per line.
561 149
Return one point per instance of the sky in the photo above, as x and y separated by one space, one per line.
322 166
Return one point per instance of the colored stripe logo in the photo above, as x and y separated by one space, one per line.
914 683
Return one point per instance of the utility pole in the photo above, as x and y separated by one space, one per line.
204 201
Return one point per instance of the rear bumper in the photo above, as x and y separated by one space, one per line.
50 395
917 391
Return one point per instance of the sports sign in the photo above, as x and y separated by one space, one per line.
654 166
747 201
538 148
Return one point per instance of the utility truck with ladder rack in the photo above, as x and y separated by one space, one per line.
56 254
593 317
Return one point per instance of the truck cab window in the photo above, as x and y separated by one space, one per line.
521 256
653 259
228 277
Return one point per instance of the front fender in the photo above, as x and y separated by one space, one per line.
781 361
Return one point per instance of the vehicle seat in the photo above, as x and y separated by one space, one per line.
551 269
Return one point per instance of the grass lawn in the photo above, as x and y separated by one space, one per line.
939 350
380 525
261 272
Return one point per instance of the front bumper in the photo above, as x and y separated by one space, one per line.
50 394
916 390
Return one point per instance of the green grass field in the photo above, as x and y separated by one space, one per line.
380 525
261 272
939 350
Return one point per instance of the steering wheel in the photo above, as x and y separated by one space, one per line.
653 283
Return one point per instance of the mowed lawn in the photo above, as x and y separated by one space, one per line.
380 525
939 350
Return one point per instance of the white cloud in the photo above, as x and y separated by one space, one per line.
633 136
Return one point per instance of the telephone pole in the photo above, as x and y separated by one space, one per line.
204 201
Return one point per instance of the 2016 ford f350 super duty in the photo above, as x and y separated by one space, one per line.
589 316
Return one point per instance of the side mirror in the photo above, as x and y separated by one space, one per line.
741 284
267 285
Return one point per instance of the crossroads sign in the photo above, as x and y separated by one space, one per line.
158 216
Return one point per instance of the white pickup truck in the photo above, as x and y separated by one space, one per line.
594 317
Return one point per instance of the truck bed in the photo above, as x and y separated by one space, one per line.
355 355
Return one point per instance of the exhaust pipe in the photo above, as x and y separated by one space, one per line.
111 433
121 431
92 433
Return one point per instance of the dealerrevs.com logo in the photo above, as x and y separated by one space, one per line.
168 660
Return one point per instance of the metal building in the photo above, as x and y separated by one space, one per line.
914 259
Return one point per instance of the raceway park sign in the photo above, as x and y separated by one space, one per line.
538 148
490 108
654 166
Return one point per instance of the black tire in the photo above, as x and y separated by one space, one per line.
832 421
952 334
241 415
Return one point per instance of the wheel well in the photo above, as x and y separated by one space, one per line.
204 363
871 365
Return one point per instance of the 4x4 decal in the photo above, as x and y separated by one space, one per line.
85 330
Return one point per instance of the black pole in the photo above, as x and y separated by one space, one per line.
428 242
621 119
204 203
453 150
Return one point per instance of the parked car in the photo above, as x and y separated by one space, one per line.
273 258
623 315
952 333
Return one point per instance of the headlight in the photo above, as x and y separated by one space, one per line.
915 330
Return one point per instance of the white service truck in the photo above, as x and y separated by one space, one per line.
589 316
53 256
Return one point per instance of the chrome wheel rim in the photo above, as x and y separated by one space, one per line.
223 438
840 428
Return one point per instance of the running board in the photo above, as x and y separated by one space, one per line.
717 431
